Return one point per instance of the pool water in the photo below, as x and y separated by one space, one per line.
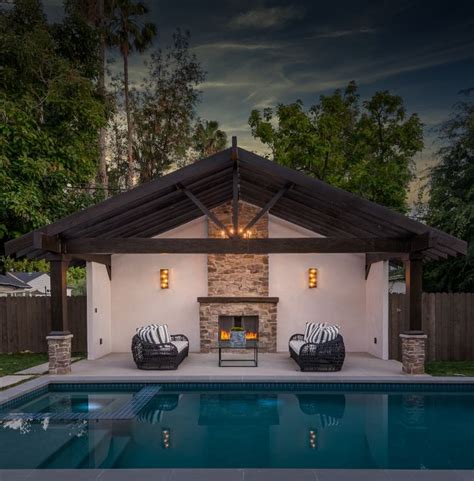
232 426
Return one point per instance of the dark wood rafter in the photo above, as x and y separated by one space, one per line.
138 245
211 216
157 206
235 187
266 208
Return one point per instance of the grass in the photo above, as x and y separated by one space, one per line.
14 362
450 368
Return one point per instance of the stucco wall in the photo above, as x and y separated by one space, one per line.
377 309
138 300
338 299
343 296
99 314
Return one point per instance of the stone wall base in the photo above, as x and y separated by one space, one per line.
413 352
59 353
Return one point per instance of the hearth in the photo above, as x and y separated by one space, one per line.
248 323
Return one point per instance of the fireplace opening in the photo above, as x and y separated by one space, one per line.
248 323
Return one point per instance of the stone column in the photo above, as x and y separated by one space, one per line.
413 351
59 353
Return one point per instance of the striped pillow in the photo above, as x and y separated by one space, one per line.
163 333
325 334
310 328
154 334
148 334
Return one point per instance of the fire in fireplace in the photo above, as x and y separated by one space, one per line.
248 323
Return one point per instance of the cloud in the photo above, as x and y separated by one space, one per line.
236 46
270 17
344 33
222 84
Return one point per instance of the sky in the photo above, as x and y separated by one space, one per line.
260 53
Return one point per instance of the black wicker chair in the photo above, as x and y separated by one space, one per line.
158 356
328 356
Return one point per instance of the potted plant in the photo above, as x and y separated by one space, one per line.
237 336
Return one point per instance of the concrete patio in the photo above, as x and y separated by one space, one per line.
271 367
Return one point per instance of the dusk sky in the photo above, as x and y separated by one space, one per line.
259 53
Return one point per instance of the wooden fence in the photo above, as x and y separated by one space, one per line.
26 321
448 319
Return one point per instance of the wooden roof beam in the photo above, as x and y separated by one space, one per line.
136 245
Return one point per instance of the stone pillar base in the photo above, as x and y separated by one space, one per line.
413 352
59 353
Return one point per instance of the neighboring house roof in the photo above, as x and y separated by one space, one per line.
28 276
11 281
167 202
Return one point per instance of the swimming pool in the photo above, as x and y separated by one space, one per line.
235 425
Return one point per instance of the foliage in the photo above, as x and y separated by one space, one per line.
125 32
163 112
451 201
208 138
367 149
50 114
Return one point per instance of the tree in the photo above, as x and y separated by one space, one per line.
128 35
50 114
164 109
366 149
451 201
208 138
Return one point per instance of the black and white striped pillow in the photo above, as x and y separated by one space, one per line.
325 334
163 333
154 333
148 334
310 328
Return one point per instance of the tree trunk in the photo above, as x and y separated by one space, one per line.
129 123
102 177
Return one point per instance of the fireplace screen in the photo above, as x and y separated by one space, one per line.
248 323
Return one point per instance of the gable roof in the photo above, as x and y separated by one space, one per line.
161 205
9 280
28 276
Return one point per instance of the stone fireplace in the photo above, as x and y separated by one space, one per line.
238 285
248 323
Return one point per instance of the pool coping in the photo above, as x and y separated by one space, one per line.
235 475
42 381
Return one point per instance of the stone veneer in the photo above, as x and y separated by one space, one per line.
240 275
209 313
413 352
59 353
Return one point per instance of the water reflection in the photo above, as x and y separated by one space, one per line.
152 413
329 408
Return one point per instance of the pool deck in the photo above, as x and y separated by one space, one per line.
358 367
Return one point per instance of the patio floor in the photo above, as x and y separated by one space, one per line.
272 367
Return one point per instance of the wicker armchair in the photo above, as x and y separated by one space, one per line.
159 356
328 356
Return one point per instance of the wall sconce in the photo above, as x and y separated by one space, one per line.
312 277
313 444
164 278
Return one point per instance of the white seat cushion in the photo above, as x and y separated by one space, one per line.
180 345
297 345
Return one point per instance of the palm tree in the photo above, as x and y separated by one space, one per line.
96 13
208 138
129 35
